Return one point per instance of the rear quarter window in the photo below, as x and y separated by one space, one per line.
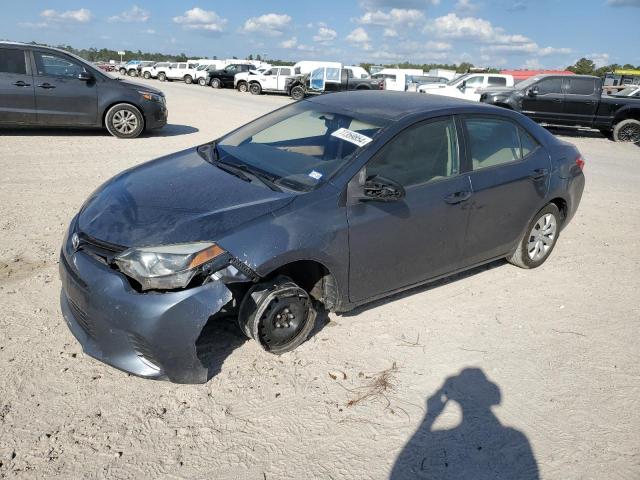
12 61
581 86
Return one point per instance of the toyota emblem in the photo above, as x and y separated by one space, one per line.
75 241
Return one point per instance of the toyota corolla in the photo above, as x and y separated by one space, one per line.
329 203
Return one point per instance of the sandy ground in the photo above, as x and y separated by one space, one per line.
543 365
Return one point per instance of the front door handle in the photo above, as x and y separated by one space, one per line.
20 83
458 197
539 174
46 86
557 100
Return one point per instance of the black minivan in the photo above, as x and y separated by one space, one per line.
48 87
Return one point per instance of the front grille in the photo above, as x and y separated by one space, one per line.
82 319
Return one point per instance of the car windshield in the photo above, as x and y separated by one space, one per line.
458 79
523 85
300 145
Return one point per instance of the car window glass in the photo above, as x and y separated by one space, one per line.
285 71
333 74
422 153
182 65
581 86
57 66
497 82
270 72
474 81
527 142
492 142
549 85
12 61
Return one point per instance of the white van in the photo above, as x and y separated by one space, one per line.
467 86
179 71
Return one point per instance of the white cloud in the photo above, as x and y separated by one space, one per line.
390 33
532 64
624 3
82 15
325 35
199 19
530 47
270 24
377 4
360 37
290 43
452 26
438 46
600 59
150 31
466 6
134 14
395 16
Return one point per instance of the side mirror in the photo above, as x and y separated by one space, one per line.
533 91
85 77
381 189
463 85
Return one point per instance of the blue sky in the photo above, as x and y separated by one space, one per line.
500 33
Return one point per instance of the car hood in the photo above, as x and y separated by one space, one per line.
175 199
140 86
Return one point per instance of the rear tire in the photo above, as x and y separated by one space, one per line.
146 75
540 238
124 121
627 131
216 83
297 93
202 82
188 79
123 71
255 89
242 87
133 73
162 76
278 314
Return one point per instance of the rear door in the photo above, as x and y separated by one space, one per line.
509 181
17 94
62 99
581 100
545 103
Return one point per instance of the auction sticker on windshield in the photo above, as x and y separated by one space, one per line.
352 137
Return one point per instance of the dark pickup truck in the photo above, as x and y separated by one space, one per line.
571 100
224 78
329 79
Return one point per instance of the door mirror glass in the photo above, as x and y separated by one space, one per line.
85 77
462 86
381 189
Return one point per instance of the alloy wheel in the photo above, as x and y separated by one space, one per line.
125 122
542 236
630 133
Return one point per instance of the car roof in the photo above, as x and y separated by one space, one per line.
394 105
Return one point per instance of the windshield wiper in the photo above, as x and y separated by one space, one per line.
264 178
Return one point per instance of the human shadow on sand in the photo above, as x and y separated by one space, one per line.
479 448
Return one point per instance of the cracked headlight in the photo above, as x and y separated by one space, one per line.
166 267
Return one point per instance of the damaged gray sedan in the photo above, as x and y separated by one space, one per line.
329 203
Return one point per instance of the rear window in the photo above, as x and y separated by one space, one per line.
12 61
285 71
581 86
497 82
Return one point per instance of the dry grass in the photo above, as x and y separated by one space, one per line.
379 385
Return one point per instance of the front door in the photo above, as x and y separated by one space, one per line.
61 98
545 101
17 97
401 243
269 80
509 181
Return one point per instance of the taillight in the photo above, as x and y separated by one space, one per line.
580 162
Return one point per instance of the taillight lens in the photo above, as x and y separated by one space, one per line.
580 162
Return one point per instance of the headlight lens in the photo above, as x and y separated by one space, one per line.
166 267
153 97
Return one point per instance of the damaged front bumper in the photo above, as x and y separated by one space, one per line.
152 335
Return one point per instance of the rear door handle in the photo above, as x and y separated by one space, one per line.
557 100
458 197
539 173
46 86
20 83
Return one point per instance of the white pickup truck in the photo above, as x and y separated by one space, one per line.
241 80
152 70
273 80
468 86
178 71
